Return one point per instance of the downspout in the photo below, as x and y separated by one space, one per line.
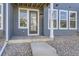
51 30
7 36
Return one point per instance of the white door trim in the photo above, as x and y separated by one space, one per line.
28 21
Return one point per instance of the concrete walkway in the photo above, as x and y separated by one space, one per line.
42 49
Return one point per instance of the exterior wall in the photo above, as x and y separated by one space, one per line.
46 30
43 25
18 32
23 32
10 19
71 7
41 21
61 6
2 32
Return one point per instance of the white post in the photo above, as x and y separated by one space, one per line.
51 30
7 22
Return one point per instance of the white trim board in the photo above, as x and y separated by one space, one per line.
1 15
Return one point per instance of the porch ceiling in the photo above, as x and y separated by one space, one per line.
31 5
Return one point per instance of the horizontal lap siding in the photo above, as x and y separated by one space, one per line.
58 32
24 32
71 7
17 31
46 30
2 32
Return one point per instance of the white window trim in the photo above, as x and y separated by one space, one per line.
56 18
75 20
19 18
66 18
1 15
49 17
52 18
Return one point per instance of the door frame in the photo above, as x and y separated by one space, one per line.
28 21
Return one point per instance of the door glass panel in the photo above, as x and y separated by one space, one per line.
33 22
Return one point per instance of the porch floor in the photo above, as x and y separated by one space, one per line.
24 39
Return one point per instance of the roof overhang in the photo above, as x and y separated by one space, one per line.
31 5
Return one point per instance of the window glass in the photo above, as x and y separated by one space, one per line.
63 15
54 14
63 19
54 23
63 24
72 19
23 18
72 24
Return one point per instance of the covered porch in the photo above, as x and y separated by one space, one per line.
28 20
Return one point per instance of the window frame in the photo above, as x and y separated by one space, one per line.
72 20
65 20
1 15
49 19
20 27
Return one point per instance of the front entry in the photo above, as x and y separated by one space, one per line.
33 22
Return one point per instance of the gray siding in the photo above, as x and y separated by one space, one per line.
71 7
17 31
46 30
43 21
23 32
61 6
2 32
10 20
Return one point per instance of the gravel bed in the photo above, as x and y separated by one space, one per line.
22 49
66 46
1 43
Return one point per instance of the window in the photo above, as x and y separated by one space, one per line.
72 19
54 18
22 18
63 19
1 16
49 18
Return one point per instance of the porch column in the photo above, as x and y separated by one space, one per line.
51 30
7 36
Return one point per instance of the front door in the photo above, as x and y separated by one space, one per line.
33 23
